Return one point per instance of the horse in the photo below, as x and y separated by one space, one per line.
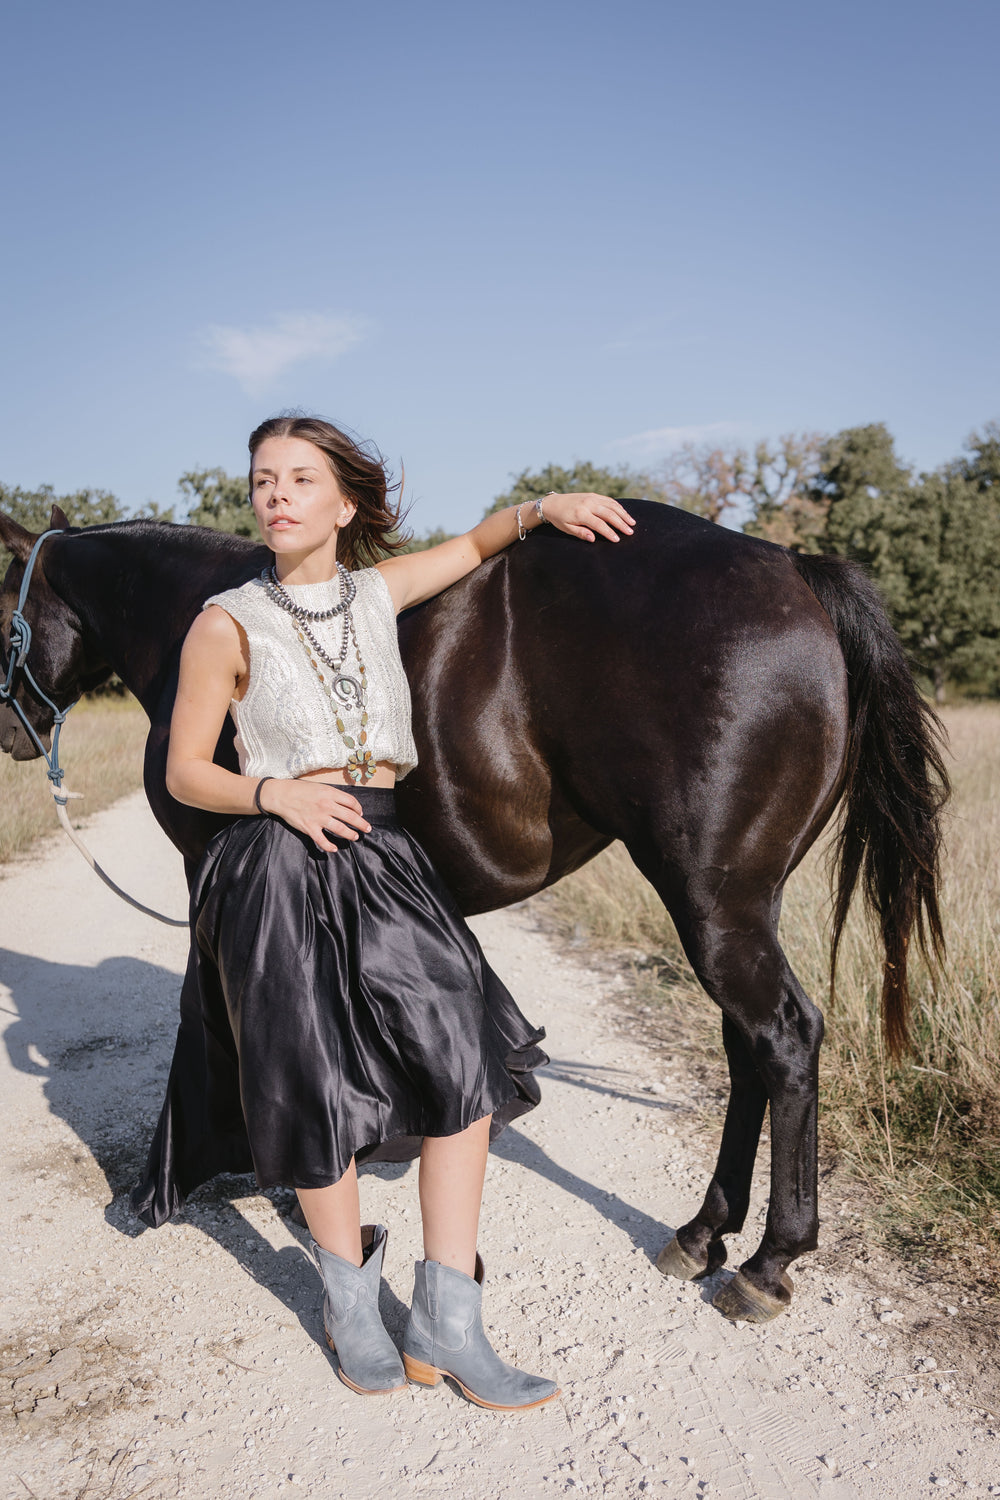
708 698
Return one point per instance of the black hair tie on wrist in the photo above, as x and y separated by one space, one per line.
256 796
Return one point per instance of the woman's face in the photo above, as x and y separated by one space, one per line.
297 501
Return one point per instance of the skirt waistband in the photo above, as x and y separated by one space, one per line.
378 803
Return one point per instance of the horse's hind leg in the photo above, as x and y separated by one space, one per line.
698 1248
773 1035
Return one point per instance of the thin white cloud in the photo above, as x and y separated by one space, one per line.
256 356
665 439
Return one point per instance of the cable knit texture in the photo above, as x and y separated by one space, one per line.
285 722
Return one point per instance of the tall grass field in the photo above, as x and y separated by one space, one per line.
924 1134
101 748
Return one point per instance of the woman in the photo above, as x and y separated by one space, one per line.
361 1006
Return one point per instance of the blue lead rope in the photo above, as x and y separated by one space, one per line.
20 644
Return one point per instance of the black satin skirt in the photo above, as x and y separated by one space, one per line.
335 1005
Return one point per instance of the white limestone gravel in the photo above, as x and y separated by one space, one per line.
189 1362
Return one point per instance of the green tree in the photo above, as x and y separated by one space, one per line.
866 491
218 500
950 550
429 539
621 483
981 462
32 508
931 543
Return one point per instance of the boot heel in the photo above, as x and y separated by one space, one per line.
420 1373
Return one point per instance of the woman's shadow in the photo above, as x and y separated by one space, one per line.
102 1039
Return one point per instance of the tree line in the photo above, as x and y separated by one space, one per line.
931 541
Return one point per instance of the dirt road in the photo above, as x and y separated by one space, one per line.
188 1361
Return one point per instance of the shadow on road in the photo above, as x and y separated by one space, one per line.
101 1040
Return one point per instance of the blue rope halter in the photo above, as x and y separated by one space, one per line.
20 643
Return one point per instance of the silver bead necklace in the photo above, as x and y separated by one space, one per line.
344 691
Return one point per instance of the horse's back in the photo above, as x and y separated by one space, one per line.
675 682
698 687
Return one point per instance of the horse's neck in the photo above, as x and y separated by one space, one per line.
136 593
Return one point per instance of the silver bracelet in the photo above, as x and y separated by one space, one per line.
539 512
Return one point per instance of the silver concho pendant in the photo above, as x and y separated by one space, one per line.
346 689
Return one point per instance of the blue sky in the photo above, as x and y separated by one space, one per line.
491 236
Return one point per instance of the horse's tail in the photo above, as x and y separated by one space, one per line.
895 786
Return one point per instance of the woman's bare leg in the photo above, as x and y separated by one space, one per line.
452 1169
334 1216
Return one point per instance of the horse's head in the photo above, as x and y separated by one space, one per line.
58 657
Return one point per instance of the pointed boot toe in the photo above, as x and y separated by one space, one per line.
369 1361
445 1336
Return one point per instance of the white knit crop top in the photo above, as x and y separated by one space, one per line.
285 721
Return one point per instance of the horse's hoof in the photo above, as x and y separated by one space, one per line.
741 1301
673 1260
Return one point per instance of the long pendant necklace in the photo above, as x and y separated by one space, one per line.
343 690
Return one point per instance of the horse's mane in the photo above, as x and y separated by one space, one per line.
199 540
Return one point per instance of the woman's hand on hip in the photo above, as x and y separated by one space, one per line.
588 516
316 808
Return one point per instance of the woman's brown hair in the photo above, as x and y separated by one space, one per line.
374 530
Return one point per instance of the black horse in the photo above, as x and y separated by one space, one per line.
707 698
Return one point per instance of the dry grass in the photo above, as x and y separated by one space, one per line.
102 747
925 1134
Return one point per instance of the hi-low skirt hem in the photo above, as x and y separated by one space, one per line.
335 1005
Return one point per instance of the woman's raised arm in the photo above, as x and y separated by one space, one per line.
421 575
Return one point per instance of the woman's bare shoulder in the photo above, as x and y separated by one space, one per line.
215 630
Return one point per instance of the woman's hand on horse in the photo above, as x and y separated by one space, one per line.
317 809
588 516
421 575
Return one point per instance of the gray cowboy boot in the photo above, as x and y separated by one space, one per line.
369 1362
444 1336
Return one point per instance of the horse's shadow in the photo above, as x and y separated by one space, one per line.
107 1085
